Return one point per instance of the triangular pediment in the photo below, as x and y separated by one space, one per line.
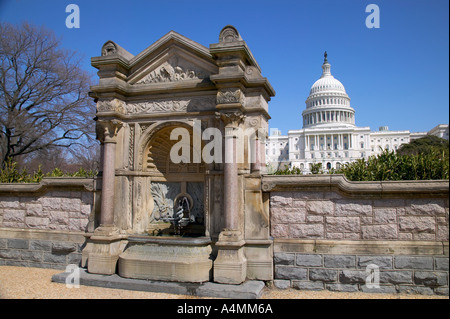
173 58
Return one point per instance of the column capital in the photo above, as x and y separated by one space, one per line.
107 130
231 119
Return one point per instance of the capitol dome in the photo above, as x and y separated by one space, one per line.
328 102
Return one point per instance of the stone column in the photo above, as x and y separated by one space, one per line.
230 266
230 177
107 208
106 243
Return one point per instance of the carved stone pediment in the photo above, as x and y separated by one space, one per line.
175 69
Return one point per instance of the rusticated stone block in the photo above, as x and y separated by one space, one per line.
415 290
291 273
324 275
307 231
18 244
280 199
339 261
432 207
353 276
36 222
35 210
384 215
342 287
280 231
396 277
430 278
343 224
441 263
353 208
284 259
308 260
13 215
388 231
320 207
382 262
308 285
282 284
413 262
49 203
442 233
288 215
417 224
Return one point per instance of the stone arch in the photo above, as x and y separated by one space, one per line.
156 146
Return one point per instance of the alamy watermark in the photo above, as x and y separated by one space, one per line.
236 138
373 278
73 19
73 278
373 19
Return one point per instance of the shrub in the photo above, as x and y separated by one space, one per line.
389 166
11 174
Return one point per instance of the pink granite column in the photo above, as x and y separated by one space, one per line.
230 181
109 168
107 208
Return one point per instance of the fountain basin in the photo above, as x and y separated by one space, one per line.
167 259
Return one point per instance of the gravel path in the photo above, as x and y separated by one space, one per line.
35 283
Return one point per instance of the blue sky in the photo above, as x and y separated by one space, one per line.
397 75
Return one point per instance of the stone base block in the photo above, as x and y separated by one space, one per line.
102 264
180 261
230 266
102 251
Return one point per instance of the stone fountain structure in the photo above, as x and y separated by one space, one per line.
194 220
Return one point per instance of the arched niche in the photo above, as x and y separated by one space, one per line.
170 181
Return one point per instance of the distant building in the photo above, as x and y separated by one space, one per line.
329 134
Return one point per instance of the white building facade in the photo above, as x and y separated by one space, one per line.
329 135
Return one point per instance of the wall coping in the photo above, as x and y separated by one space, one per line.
42 234
364 247
87 184
338 183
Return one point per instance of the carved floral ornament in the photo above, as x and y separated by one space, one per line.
174 70
231 119
107 130
226 96
200 103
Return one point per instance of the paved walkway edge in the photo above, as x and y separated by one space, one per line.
246 290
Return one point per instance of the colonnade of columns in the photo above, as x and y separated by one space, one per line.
329 116
340 141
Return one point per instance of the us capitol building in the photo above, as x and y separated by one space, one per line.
329 134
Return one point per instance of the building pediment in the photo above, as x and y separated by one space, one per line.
174 64
173 58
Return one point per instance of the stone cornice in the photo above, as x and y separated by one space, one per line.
86 184
338 183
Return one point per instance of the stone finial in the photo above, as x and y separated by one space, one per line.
229 34
109 48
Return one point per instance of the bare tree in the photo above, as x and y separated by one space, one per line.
44 100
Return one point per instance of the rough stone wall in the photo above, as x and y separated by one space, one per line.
54 210
350 273
41 249
43 225
327 231
328 215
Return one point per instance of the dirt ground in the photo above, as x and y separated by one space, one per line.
35 283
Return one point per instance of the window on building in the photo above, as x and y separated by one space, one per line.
328 165
362 145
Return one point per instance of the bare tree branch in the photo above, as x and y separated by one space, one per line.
44 100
